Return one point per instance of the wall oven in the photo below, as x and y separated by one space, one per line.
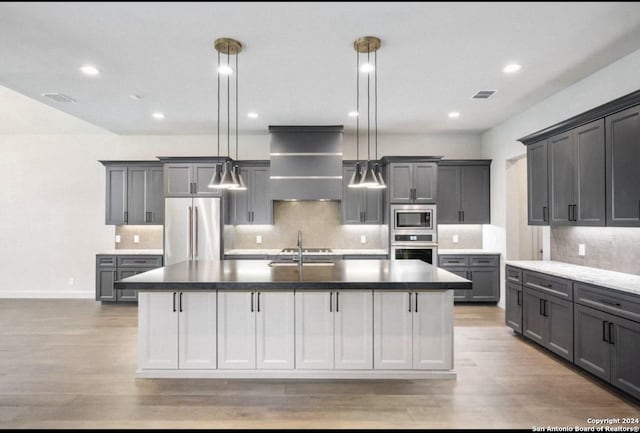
413 232
426 253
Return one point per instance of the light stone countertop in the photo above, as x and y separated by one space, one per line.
445 252
278 251
130 252
621 281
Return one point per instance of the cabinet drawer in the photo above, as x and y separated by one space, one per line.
483 260
548 284
139 261
614 302
453 260
106 261
514 275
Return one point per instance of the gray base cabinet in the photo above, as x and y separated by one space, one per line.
513 307
111 268
482 270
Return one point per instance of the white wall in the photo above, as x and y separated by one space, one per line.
52 188
500 143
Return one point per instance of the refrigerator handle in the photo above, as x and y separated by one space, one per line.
190 247
196 234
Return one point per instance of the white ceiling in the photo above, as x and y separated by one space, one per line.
298 66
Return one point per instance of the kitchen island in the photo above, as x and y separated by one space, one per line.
350 319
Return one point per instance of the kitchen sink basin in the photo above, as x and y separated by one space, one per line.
304 264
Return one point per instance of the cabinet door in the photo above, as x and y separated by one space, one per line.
590 176
236 329
392 330
240 199
202 174
486 284
127 295
136 195
155 196
157 330
197 330
373 211
433 330
314 330
474 194
591 348
262 212
449 194
354 330
559 315
533 322
561 178
623 154
178 179
116 205
537 184
625 353
513 307
425 182
275 330
401 182
104 284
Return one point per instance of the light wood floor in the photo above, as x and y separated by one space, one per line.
71 363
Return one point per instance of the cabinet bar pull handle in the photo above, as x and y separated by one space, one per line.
604 331
611 333
126 217
545 308
545 214
330 302
541 313
519 301
606 302
409 302
416 307
252 302
150 216
190 244
196 230
181 302
258 302
337 302
174 302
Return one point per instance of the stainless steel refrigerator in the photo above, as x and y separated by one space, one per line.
191 229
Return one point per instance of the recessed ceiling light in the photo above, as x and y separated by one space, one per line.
454 115
511 68
353 114
89 70
252 115
225 70
367 67
158 115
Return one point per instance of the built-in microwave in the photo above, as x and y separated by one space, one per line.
413 218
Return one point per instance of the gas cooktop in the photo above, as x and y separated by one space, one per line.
308 250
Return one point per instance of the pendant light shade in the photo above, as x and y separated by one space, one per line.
381 183
227 181
356 177
241 185
369 178
214 183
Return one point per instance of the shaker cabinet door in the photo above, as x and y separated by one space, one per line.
537 184
392 330
433 330
236 330
354 329
197 330
590 341
314 330
158 330
625 353
275 329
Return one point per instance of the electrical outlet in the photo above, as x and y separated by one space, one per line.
117 239
455 239
363 239
72 281
136 239
258 239
582 250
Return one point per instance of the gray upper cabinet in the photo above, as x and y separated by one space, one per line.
412 182
253 206
537 183
360 205
464 192
134 193
623 160
189 179
577 176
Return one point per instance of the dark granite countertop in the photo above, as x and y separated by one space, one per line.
257 274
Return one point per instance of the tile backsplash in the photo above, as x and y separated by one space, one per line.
612 248
149 237
469 236
321 225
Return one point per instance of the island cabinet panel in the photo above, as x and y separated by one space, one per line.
392 330
157 331
275 329
314 330
236 330
433 330
354 329
197 330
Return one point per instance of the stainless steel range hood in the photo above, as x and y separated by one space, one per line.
306 162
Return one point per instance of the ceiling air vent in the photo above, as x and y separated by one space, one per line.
59 97
483 94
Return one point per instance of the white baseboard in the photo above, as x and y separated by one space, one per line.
296 374
45 294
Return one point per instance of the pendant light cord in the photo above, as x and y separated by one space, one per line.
218 76
368 110
357 107
228 107
236 107
375 107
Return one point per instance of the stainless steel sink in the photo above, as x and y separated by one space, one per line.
292 264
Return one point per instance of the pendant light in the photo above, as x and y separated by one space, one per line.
225 176
368 44
377 170
354 182
241 186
